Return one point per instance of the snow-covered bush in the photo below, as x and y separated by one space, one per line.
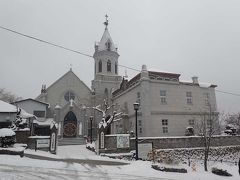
220 172
7 137
166 169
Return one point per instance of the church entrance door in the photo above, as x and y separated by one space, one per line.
70 125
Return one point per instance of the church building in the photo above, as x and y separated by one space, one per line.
71 99
167 105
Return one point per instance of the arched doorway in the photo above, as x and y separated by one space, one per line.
70 125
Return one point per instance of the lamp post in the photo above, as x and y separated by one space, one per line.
136 107
91 119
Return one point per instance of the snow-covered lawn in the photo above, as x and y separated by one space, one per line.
14 167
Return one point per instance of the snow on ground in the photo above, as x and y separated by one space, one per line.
14 167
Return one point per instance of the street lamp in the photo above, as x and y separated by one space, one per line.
136 107
91 119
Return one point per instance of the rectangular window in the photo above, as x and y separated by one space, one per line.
206 98
164 122
165 129
189 97
138 98
163 100
163 96
163 93
139 122
39 114
140 130
191 122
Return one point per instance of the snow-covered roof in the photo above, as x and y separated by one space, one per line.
24 114
6 132
6 107
30 99
202 85
102 45
47 122
205 85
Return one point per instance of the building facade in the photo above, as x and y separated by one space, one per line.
68 97
167 105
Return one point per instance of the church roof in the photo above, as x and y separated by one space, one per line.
69 72
106 42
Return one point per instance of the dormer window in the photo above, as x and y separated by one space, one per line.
108 45
109 66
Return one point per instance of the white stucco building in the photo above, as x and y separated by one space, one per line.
167 105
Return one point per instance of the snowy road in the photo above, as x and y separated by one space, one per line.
11 172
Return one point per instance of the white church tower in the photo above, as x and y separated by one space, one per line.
106 78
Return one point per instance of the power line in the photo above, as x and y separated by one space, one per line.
59 46
43 41
230 93
84 54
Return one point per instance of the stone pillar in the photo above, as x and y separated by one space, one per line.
57 111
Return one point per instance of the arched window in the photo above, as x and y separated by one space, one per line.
69 95
100 66
109 66
108 45
116 70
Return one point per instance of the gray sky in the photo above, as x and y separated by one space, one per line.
190 37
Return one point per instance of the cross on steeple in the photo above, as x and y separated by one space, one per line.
106 22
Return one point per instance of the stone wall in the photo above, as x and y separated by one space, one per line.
229 154
187 141
110 145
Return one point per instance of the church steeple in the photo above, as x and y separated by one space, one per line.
106 77
106 42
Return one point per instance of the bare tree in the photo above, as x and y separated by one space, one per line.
107 117
8 96
233 120
208 126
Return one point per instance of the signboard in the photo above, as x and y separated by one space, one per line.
143 150
122 141
53 142
43 143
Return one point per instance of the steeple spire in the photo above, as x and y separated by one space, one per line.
106 22
106 42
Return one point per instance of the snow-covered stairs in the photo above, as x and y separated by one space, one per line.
71 141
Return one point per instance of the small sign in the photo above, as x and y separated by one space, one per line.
143 150
43 143
122 141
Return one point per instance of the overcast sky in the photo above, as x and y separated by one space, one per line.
190 37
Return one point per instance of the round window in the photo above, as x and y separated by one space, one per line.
69 95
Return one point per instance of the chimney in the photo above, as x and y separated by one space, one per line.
195 80
144 72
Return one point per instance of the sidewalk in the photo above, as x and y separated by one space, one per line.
74 154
